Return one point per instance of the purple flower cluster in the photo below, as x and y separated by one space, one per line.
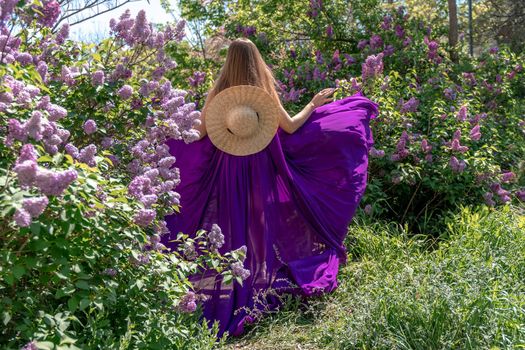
238 270
375 153
401 150
315 8
246 31
455 144
503 194
372 67
475 133
215 237
188 303
48 13
409 106
90 126
197 79
433 50
456 165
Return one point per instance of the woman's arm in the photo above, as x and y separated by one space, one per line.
202 127
291 124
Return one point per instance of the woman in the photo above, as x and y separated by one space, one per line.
290 203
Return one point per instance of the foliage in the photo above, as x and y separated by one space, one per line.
404 292
85 181
447 134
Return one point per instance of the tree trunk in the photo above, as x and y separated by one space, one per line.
453 29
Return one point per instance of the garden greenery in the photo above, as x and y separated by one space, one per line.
447 133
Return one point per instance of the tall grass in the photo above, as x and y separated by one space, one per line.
466 293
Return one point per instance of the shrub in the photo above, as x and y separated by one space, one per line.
85 183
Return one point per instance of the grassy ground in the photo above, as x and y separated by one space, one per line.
468 292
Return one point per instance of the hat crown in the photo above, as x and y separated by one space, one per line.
242 121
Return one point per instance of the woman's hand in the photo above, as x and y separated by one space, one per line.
323 97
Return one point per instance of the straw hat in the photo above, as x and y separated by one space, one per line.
242 120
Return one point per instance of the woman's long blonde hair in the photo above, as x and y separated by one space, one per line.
245 66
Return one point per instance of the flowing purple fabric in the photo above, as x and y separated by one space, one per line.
290 204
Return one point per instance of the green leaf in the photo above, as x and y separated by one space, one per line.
35 227
18 271
82 284
84 303
6 317
72 304
45 345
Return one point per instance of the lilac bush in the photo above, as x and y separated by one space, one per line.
85 182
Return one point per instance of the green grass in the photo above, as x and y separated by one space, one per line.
402 292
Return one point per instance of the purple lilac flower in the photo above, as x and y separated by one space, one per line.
26 172
400 32
409 106
87 155
197 78
494 50
27 152
97 78
329 31
462 114
35 206
425 146
372 67
368 209
34 126
187 303
48 13
521 195
487 196
389 50
475 134
349 59
457 165
238 270
22 218
362 44
387 22
90 126
375 153
376 42
456 146
508 176
215 237
148 200
125 92
54 183
63 34
56 112
24 58
72 150
144 217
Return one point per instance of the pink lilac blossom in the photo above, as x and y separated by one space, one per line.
238 270
22 218
409 106
125 92
456 165
144 217
26 172
54 183
508 176
97 78
90 126
35 206
87 155
375 153
72 150
372 67
462 114
48 13
187 303
27 152
475 133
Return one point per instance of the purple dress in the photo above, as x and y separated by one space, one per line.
290 204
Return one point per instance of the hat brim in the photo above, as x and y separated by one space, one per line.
257 99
